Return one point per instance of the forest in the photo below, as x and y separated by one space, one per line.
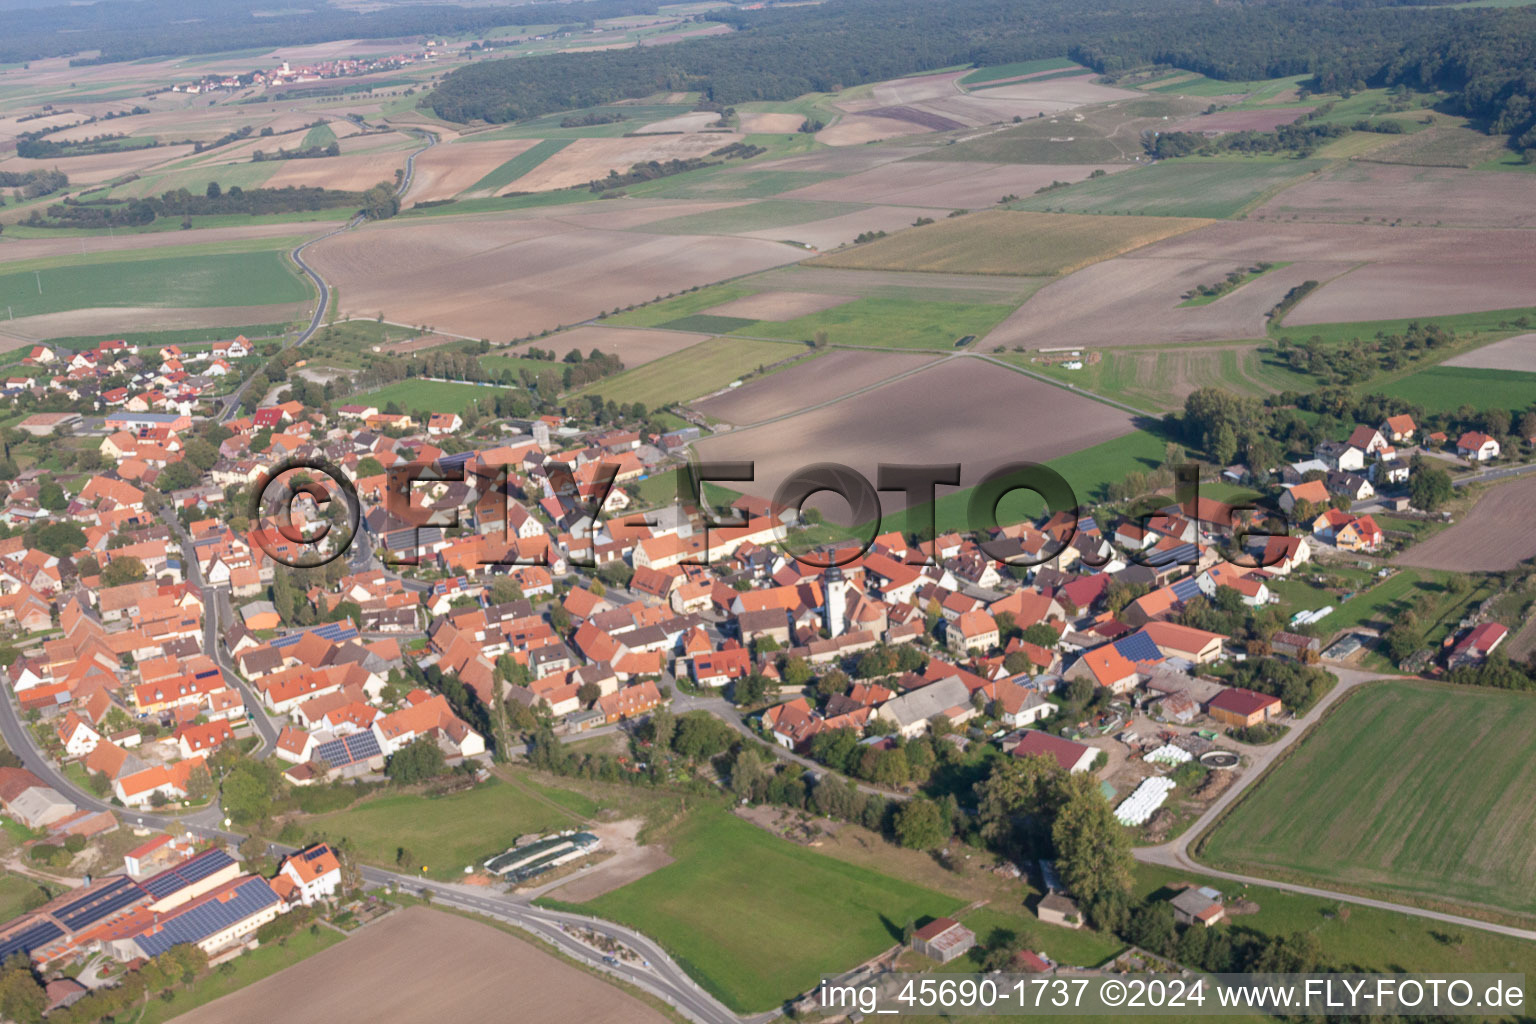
1485 57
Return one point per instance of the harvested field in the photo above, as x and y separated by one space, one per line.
700 370
954 411
823 379
1359 191
1494 536
86 323
1068 92
835 231
99 167
633 213
768 214
505 277
586 159
633 345
1265 120
779 305
924 119
835 161
1442 146
1010 242
1517 353
420 964
953 184
1385 291
1176 188
229 239
442 172
857 129
1135 301
354 173
1282 241
771 124
692 122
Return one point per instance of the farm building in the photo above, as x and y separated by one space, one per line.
943 939
1293 645
1241 708
1073 757
1198 905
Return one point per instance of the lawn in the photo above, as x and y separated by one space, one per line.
1009 242
756 919
168 282
18 893
248 968
888 323
1413 789
699 370
1448 388
519 165
1077 947
1177 188
429 396
447 833
769 213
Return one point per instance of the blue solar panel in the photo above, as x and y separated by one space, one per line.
182 875
28 939
1138 647
1179 555
335 631
1186 588
450 461
204 919
84 912
333 753
362 745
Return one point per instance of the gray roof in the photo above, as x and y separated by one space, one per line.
923 703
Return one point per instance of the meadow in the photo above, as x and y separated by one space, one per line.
1435 808
998 72
429 396
888 323
1160 379
169 282
519 165
756 919
1448 388
769 213
444 834
1009 242
705 367
1177 188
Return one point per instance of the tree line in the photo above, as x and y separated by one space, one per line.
103 213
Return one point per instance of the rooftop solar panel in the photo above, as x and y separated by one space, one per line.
28 939
1186 589
1138 647
182 875
86 911
204 919
1182 553
362 745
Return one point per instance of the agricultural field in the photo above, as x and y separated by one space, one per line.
1448 388
739 219
953 185
1009 242
1158 380
634 347
888 323
1018 69
706 367
1434 811
430 396
1190 187
1361 192
1380 290
949 411
444 834
1514 354
824 378
418 964
228 279
727 871
1495 535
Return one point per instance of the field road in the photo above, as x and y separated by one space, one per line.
1176 853
232 400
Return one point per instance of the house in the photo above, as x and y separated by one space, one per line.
1477 446
1019 706
77 734
1073 757
943 939
1239 707
314 874
1477 644
202 740
1351 485
441 423
1312 491
1057 908
31 801
912 711
1399 429
1367 439
1198 906
972 631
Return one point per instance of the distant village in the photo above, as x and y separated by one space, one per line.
291 74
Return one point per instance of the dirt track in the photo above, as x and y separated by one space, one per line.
425 965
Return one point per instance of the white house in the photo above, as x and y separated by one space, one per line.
1477 446
313 873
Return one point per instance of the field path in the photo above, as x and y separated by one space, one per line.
1176 853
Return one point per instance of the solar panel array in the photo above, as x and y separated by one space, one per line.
1138 647
333 631
201 920
86 911
1186 588
349 749
182 875
1179 555
28 939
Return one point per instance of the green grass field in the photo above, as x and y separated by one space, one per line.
1448 388
1176 188
687 304
1014 70
319 135
756 919
1260 90
447 833
548 127
15 893
169 282
888 323
1416 789
1507 321
429 395
695 371
519 165
770 213
1159 379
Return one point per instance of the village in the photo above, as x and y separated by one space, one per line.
527 583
